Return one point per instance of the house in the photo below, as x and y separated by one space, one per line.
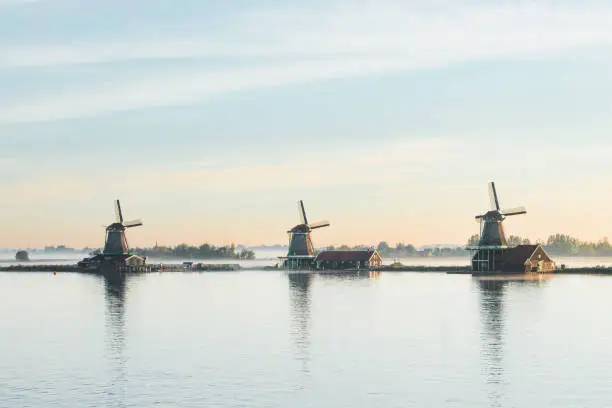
133 260
365 259
519 259
528 258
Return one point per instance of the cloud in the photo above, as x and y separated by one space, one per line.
184 88
6 3
281 47
386 30
359 166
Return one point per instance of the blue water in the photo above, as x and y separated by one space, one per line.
271 339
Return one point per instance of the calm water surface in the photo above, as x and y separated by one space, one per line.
271 339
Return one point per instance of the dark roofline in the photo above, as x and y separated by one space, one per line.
358 255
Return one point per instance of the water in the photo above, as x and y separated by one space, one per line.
271 339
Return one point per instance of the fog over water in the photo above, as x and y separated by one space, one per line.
269 257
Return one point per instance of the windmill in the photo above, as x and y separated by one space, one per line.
491 228
116 242
300 243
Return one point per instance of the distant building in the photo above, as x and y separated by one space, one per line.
134 260
519 259
365 259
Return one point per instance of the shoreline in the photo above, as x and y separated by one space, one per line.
451 270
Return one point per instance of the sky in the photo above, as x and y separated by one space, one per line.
210 120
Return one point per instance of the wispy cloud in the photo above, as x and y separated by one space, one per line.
288 46
17 2
394 163
385 30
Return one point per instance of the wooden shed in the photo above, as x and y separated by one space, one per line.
527 258
519 259
365 259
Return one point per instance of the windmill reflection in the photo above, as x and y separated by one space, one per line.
299 295
114 295
492 300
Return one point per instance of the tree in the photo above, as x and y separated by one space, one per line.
22 256
514 240
383 247
474 240
562 243
246 254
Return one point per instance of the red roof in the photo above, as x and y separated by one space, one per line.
345 255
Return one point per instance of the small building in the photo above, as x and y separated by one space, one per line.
519 259
365 259
133 260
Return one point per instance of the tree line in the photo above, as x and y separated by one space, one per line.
562 244
556 244
402 250
204 251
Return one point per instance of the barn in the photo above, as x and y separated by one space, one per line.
365 259
519 259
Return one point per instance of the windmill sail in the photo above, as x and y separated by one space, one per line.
514 211
118 214
319 224
134 223
302 213
493 197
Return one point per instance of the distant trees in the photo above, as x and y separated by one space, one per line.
514 240
473 240
22 256
562 244
402 250
556 244
408 250
204 251
383 247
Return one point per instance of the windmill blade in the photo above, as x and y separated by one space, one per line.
302 212
514 211
118 214
319 224
493 196
135 223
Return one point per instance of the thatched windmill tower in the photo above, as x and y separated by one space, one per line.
116 241
301 251
115 254
491 228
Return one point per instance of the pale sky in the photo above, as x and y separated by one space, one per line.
209 120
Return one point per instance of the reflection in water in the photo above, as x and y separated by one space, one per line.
300 301
114 295
299 294
492 308
492 292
